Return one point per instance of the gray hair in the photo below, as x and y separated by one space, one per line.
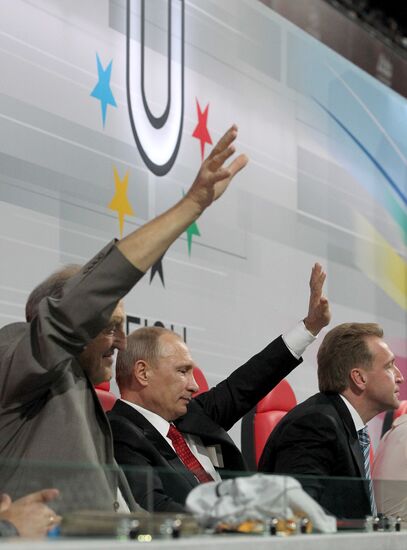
142 344
52 287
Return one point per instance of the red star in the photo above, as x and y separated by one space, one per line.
201 130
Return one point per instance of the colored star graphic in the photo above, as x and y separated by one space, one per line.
192 230
158 268
201 129
120 203
102 89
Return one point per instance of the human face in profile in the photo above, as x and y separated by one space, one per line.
97 358
383 378
171 381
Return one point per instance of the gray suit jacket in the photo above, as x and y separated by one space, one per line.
53 431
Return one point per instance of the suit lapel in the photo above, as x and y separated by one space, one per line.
156 439
351 433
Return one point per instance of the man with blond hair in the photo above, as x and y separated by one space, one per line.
325 436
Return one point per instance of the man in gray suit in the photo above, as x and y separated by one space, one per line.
53 431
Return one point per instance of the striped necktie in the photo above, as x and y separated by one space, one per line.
364 442
186 455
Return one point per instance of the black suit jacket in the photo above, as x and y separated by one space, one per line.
318 438
157 477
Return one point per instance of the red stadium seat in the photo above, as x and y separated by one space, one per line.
106 397
103 386
201 381
258 424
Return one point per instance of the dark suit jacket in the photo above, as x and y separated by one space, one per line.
53 430
318 438
158 479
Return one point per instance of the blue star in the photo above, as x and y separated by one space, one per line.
102 89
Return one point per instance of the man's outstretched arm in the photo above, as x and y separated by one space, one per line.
229 400
144 246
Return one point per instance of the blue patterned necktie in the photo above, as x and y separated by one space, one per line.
364 442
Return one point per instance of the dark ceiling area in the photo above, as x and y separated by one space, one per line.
372 34
388 17
395 10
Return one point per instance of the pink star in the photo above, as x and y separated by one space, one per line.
201 129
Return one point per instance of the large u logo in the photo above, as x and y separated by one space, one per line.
157 137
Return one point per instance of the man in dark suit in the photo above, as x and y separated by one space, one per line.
326 434
170 442
53 431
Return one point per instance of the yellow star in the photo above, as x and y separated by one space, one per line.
120 203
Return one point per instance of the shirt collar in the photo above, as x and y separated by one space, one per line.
159 423
358 422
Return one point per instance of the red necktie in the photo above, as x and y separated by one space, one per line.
186 455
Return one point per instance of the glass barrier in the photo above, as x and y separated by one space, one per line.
90 504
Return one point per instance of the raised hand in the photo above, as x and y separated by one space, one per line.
144 246
213 177
319 313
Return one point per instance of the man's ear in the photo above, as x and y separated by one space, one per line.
141 372
359 377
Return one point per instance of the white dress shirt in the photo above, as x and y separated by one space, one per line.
296 340
358 422
194 442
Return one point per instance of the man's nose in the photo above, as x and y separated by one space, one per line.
399 376
120 340
192 386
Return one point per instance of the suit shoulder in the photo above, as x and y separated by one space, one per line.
13 330
119 417
318 410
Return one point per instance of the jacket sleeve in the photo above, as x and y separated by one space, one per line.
33 354
306 448
227 402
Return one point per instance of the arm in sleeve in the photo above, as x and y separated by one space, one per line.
232 398
305 446
33 354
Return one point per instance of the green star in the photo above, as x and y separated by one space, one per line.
192 230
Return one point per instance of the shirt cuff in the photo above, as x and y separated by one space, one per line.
298 339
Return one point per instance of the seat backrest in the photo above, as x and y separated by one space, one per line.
201 381
269 412
258 424
103 386
106 397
